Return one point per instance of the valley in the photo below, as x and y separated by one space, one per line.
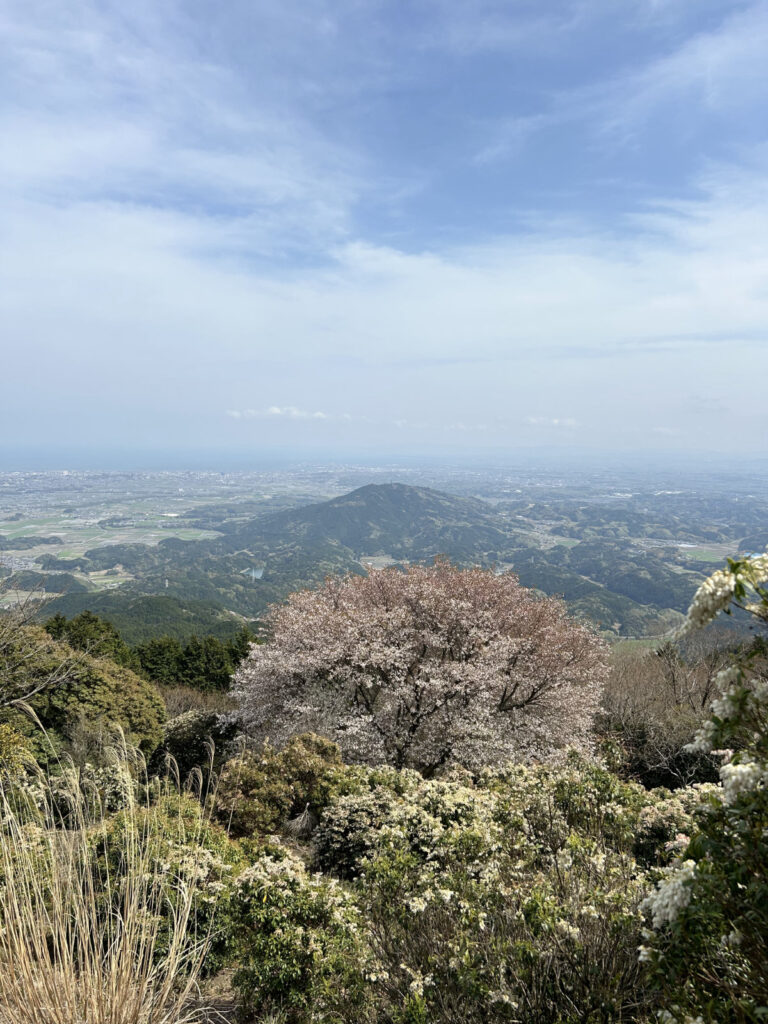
204 551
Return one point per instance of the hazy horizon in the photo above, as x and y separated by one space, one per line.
546 460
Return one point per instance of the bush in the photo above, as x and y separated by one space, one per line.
260 791
195 740
707 946
180 699
178 836
497 900
76 693
296 941
13 748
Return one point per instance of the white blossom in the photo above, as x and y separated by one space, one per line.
713 596
741 777
718 590
703 740
672 894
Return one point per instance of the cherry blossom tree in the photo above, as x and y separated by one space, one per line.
425 667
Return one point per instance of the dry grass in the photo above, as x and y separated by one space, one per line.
180 699
80 918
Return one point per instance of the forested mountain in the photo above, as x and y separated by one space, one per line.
394 520
627 573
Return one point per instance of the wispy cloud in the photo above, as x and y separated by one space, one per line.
289 412
558 422
693 90
359 207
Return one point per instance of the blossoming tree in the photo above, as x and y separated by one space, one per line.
424 667
708 947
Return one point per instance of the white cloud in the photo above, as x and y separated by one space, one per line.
711 73
563 422
286 412
615 329
181 237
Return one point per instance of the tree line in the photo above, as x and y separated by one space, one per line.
202 662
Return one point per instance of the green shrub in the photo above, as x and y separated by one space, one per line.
77 694
12 750
259 792
297 945
187 740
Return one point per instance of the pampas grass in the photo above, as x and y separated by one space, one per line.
81 912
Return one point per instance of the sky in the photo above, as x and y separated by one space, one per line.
359 226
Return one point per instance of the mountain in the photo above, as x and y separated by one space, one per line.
625 586
394 520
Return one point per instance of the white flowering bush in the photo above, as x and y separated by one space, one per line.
182 842
297 942
707 946
511 896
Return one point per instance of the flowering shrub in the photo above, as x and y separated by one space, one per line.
709 915
513 896
183 843
296 939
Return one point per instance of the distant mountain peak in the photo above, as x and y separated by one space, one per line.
394 519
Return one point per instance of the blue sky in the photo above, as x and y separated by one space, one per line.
352 225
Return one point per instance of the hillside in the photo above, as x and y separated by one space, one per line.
395 520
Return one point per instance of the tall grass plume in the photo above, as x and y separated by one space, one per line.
98 924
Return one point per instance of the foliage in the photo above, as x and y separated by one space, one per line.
296 941
205 662
259 791
194 740
72 693
98 637
21 649
514 896
180 837
709 914
424 667
12 751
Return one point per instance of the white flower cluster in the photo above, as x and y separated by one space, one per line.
741 777
716 593
703 740
713 596
672 895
